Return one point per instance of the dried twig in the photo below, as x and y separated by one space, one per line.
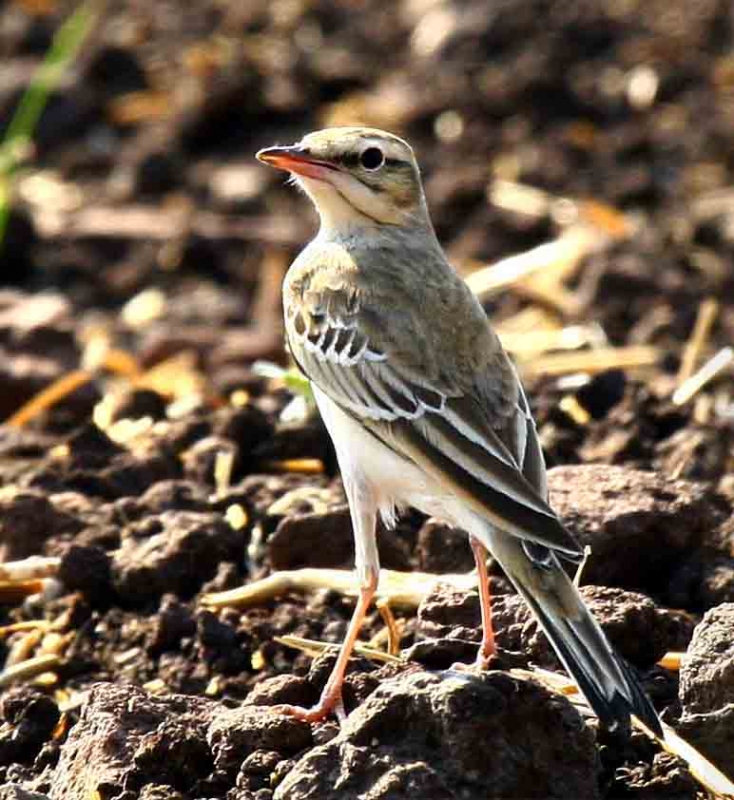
136 107
701 768
314 648
707 312
33 568
23 648
163 224
593 361
49 397
28 669
21 579
562 255
570 405
706 373
15 592
402 589
302 466
709 776
223 466
521 198
525 345
533 202
671 660
586 227
391 626
24 626
176 377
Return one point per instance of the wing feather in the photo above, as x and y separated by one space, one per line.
482 489
477 436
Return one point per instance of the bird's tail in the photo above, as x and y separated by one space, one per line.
603 676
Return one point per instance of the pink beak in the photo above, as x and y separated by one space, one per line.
295 159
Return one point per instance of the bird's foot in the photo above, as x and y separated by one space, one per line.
460 666
484 660
330 701
331 697
475 668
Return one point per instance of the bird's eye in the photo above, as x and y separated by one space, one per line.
372 158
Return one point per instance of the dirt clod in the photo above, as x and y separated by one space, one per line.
640 630
640 526
707 687
175 551
27 520
126 737
28 718
237 733
417 735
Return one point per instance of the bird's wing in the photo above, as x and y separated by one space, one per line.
473 434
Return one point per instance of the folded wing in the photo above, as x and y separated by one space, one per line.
452 431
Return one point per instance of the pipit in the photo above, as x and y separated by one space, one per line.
424 407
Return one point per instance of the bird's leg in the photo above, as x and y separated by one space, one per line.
331 695
487 648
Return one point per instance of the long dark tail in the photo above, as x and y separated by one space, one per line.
606 680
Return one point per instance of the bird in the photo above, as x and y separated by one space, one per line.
424 407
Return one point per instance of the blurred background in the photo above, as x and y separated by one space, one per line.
578 159
136 225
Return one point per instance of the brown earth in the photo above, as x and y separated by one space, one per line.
142 178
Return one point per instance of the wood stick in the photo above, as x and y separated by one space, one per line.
313 647
48 397
28 669
707 312
562 253
706 373
403 589
302 466
393 632
32 568
593 361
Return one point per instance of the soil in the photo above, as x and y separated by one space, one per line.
146 245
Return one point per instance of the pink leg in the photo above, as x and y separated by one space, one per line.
487 648
331 695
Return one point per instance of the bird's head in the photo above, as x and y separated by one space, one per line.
356 177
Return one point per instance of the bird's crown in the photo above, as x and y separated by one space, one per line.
368 148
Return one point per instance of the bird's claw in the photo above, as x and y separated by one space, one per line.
482 662
330 701
475 668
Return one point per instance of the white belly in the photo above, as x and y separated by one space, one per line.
369 468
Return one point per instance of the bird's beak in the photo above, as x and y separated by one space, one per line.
295 159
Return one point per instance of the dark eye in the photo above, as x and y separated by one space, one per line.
372 158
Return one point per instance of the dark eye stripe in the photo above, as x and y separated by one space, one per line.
348 159
352 160
398 163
